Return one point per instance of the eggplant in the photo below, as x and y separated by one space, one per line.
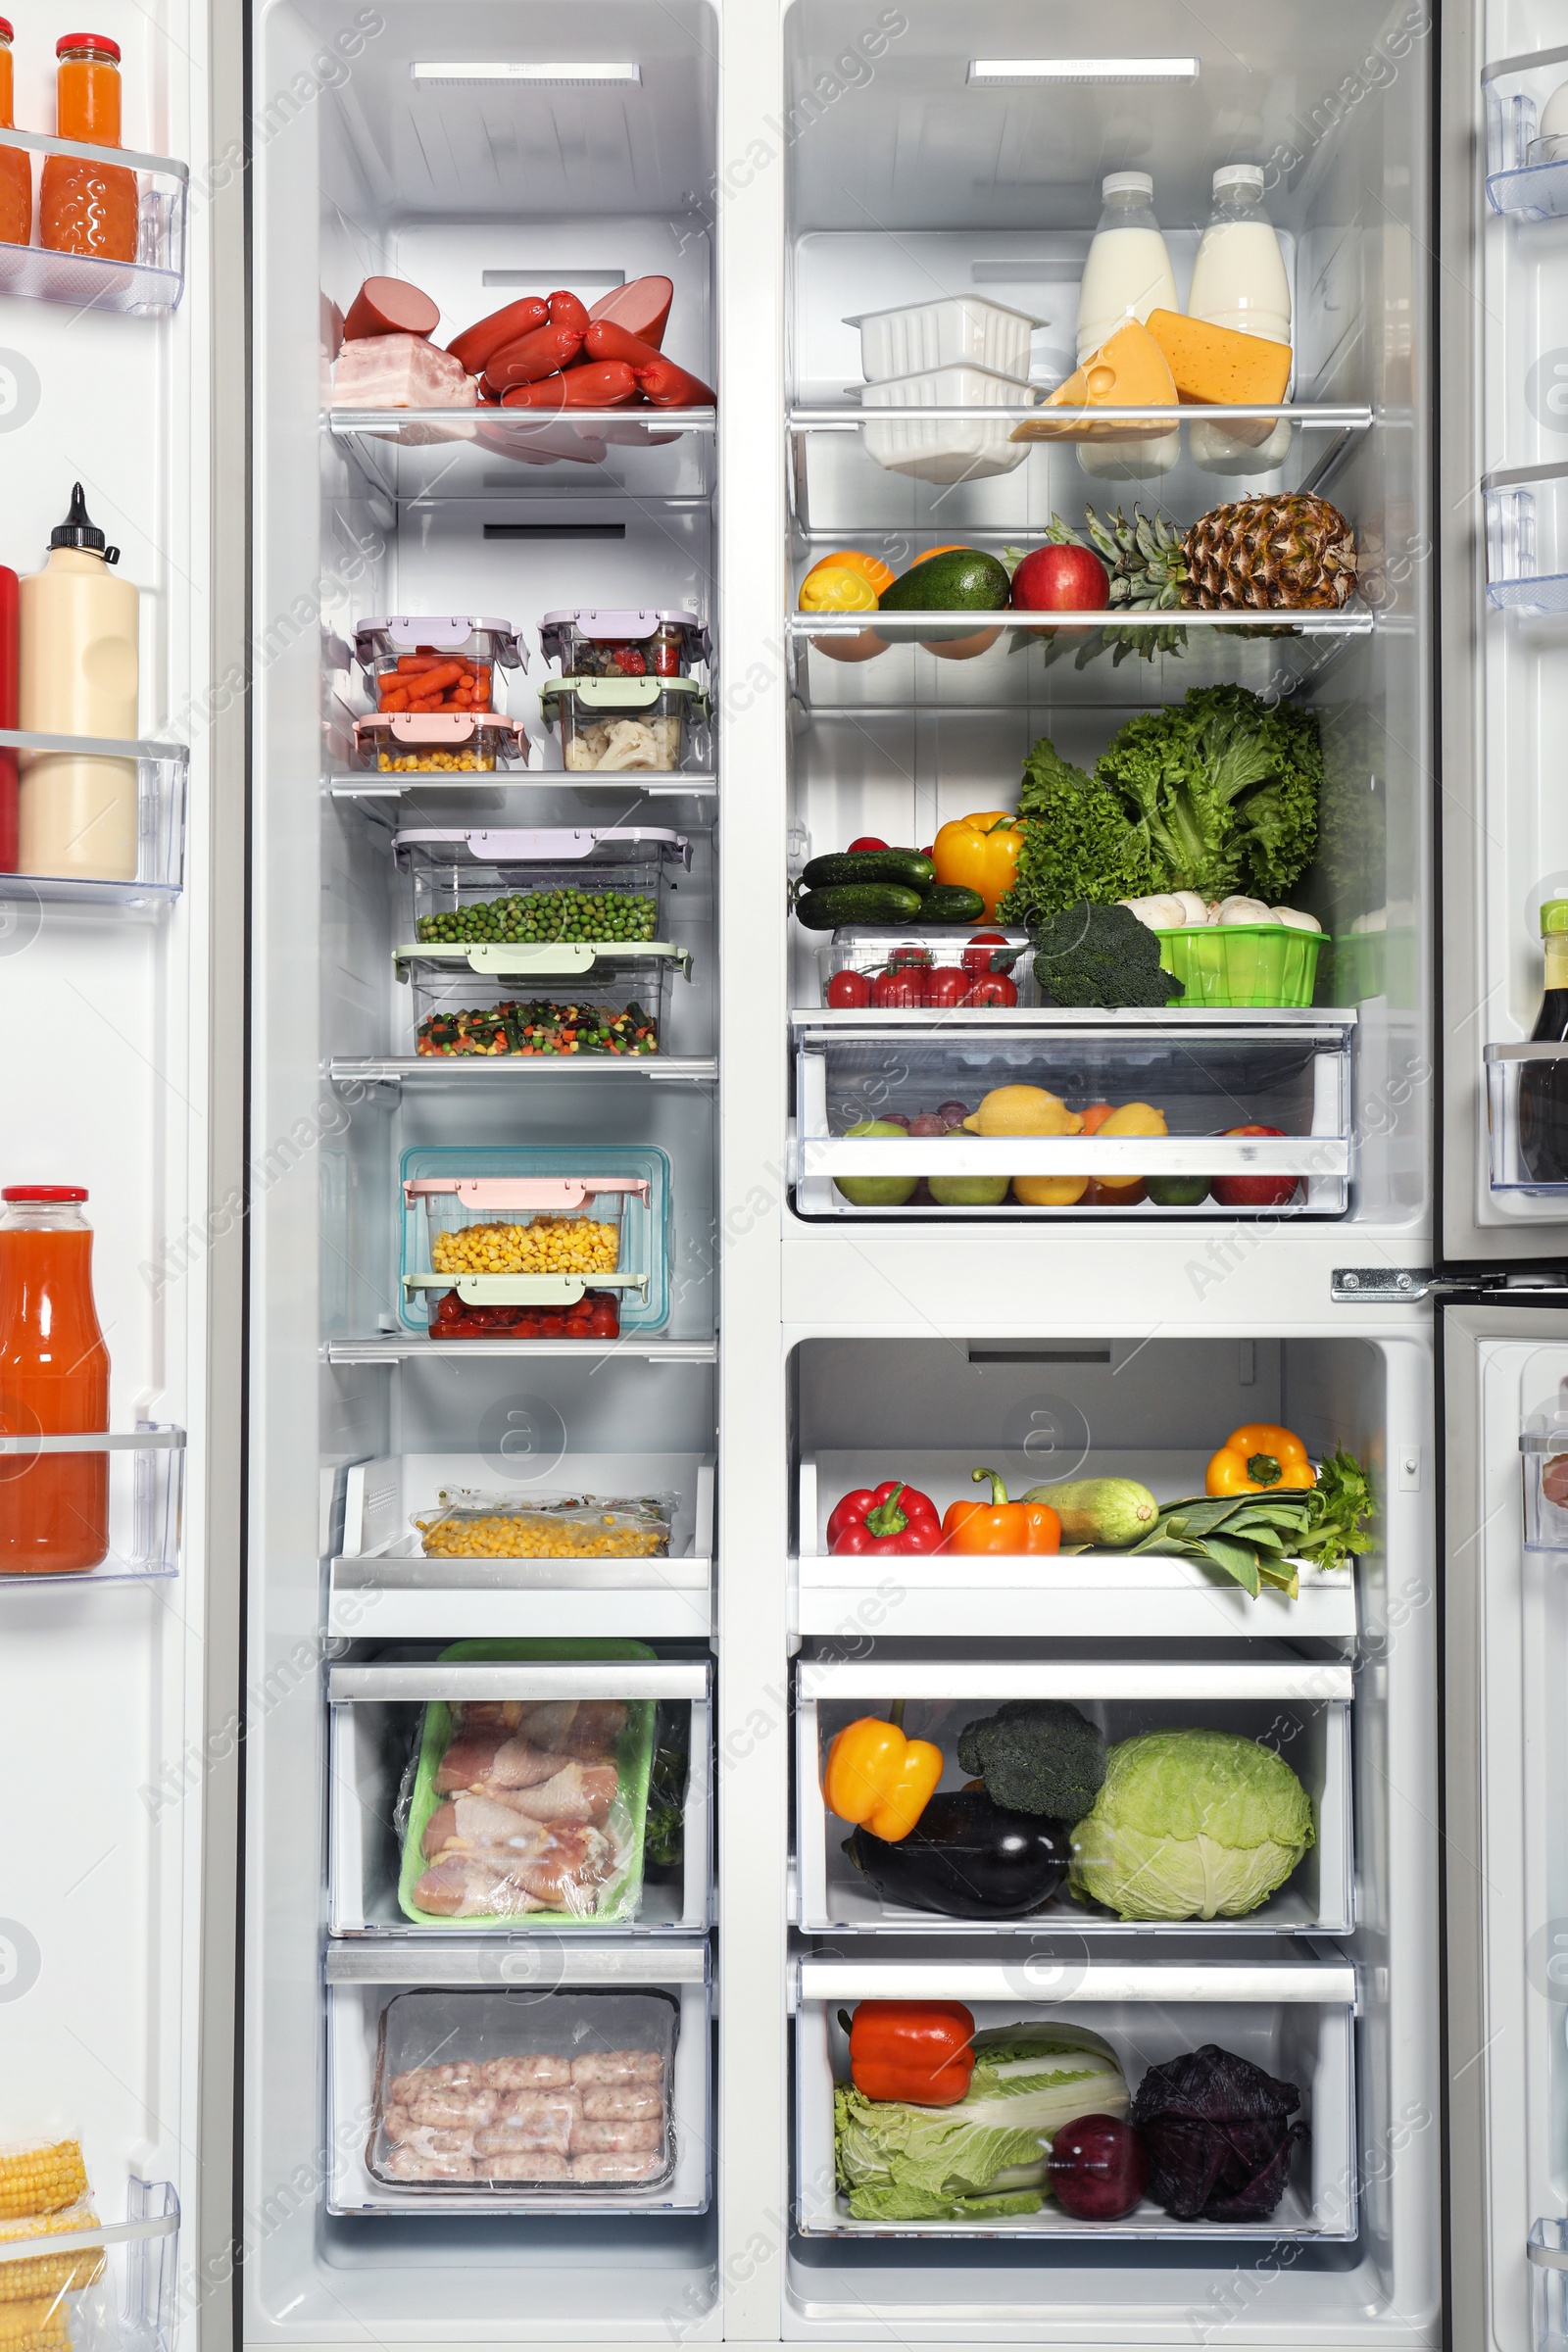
968 1858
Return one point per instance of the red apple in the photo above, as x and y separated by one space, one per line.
1099 2169
1060 580
1254 1191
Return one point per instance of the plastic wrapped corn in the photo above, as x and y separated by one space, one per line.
469 1524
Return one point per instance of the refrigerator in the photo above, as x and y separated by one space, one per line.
296 1081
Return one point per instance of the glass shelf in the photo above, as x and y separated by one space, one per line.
487 788
160 775
143 288
146 1492
391 1069
430 455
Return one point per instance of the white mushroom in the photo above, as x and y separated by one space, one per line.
1295 919
1193 906
1245 910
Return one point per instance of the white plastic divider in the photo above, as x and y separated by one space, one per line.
1295 2021
1069 1678
360 1978
630 1677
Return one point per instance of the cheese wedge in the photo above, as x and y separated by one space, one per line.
1214 366
1129 371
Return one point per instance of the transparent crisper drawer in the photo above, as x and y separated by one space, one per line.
469 2006
460 657
1544 1451
395 1579
1526 536
639 724
1010 1870
1527 1119
1294 2021
1527 165
438 743
1283 1080
935 967
519 1787
538 1226
65 1499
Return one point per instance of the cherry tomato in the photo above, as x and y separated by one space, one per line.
976 957
848 989
991 988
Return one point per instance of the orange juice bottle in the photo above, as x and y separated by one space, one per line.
54 1380
16 164
87 206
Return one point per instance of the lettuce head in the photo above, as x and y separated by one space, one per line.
1191 1825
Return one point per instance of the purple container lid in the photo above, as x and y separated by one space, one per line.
590 622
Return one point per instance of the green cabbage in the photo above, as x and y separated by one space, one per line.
1191 1825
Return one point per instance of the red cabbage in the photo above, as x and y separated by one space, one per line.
1218 2135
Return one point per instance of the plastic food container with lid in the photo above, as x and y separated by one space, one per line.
931 970
437 742
614 643
955 449
957 328
437 660
634 724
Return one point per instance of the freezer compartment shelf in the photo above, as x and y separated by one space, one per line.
1294 2020
160 779
378 1720
1299 1710
144 1477
385 1587
535 1981
149 283
1093 1595
1527 1121
426 454
146 2257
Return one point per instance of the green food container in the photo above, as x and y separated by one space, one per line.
1242 964
620 1897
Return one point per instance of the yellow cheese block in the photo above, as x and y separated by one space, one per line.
1129 371
1214 366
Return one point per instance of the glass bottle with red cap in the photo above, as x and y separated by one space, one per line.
83 206
16 171
53 1382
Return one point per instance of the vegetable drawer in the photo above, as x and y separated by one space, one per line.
1294 2021
1075 1114
519 1787
1179 1797
436 1545
436 2063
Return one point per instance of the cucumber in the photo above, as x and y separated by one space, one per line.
907 867
857 903
962 579
950 903
1107 1512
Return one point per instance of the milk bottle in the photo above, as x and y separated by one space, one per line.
1239 282
1127 274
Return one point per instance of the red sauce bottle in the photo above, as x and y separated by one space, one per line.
16 169
87 206
54 1378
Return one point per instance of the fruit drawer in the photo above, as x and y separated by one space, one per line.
444 1817
1181 1798
469 2006
1073 1114
1293 2021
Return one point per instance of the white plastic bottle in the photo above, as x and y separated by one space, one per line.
79 676
1127 274
1239 282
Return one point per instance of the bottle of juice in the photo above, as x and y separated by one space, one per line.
16 164
87 206
54 1380
79 676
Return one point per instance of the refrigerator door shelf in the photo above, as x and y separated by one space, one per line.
439 455
149 2265
1294 2020
360 1982
1526 1156
1547 2252
1302 1712
162 773
1527 175
144 287
146 1492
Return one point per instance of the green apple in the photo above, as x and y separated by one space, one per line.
968 1192
877 1192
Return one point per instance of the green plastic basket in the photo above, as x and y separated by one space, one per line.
622 1897
1242 964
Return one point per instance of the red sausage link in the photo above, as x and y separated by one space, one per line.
609 385
605 340
670 387
642 307
389 305
566 311
537 354
479 344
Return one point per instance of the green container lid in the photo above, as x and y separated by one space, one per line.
1553 915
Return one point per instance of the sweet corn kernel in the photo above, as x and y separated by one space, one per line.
544 1246
41 2326
41 2179
518 1536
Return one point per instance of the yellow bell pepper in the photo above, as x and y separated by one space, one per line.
1257 1458
980 852
876 1778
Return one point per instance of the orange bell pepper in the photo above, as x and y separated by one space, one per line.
1001 1525
876 1778
980 852
1256 1457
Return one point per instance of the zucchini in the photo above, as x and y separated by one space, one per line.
857 903
907 867
1109 1514
950 903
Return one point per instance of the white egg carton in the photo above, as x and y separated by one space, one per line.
922 335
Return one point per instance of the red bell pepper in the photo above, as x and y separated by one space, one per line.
884 1520
920 2051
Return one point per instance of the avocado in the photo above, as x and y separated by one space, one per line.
962 579
877 1192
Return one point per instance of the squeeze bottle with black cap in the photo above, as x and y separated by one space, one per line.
79 646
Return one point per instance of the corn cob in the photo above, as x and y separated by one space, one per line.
40 2327
41 2179
25 2277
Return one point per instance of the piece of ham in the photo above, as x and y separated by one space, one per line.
400 372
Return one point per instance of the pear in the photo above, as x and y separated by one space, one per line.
877 1192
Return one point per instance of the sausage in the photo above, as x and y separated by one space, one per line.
479 344
610 385
389 305
540 353
670 387
605 340
642 307
566 311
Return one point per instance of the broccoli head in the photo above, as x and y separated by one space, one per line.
1036 1755
1101 955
